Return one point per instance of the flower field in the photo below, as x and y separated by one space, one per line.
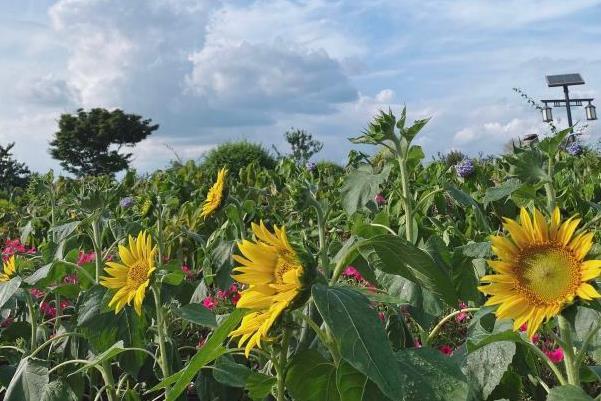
391 277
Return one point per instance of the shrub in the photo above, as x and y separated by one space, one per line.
236 155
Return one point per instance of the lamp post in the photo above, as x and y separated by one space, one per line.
565 81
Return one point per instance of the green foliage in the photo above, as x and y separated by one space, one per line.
12 173
84 143
302 144
236 156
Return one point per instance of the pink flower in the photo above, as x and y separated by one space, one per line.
222 294
201 342
209 302
417 343
352 272
535 338
85 257
381 316
446 349
70 279
379 199
188 272
15 246
65 303
48 310
556 355
524 327
37 294
7 322
235 297
461 317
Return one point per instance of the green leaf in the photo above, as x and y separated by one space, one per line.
107 355
212 349
63 231
28 381
361 186
466 200
550 145
501 191
360 334
355 386
58 390
173 278
394 255
8 289
227 371
476 249
259 385
197 314
310 367
568 392
584 321
427 374
486 366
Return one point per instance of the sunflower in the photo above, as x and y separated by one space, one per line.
540 268
9 269
131 277
215 195
273 272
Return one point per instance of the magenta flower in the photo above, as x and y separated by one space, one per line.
352 272
446 349
70 279
379 199
37 294
209 302
7 322
48 310
188 272
65 303
556 355
85 257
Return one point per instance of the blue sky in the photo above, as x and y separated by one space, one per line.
209 71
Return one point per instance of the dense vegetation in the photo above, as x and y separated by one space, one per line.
133 289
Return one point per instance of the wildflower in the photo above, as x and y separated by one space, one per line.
48 310
556 355
273 271
417 343
575 149
215 195
540 269
380 199
188 272
85 257
7 322
446 349
65 303
462 316
70 279
210 303
465 168
381 316
352 272
37 294
131 277
126 202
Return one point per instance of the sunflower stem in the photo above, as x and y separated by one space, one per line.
109 381
281 364
560 377
97 243
550 191
405 190
34 326
448 317
161 331
568 352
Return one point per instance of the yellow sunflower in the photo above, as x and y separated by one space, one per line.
540 268
131 277
9 269
215 195
272 270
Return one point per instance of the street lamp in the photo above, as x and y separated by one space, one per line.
565 81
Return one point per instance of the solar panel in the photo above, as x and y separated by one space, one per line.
564 79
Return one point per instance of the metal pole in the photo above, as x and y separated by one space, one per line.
565 91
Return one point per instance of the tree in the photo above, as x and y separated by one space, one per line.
303 145
89 142
12 173
235 156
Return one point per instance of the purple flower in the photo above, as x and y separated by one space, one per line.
465 168
380 199
310 166
126 202
574 149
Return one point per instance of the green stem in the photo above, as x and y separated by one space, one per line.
34 323
53 339
281 366
562 380
161 331
438 327
107 376
568 352
97 243
407 199
550 191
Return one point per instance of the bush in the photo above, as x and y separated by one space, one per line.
235 156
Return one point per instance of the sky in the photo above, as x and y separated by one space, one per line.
209 71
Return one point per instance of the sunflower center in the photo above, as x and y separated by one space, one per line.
138 273
286 262
548 274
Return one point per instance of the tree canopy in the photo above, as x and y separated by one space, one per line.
12 173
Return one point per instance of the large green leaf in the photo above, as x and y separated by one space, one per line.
58 390
8 289
198 314
584 321
486 366
501 191
361 186
427 374
107 355
227 371
310 367
354 386
395 255
259 385
568 392
212 349
466 200
360 334
28 382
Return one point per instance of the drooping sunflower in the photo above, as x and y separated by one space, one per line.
274 273
131 277
9 269
540 268
215 195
